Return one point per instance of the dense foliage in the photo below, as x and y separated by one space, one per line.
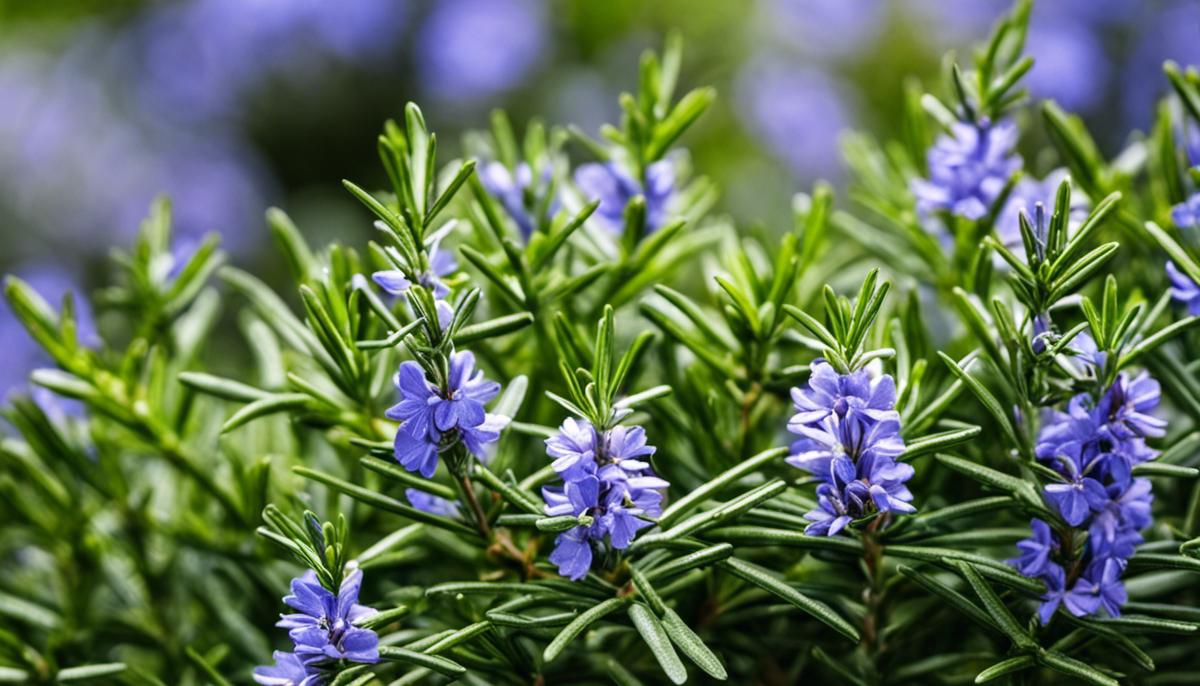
559 424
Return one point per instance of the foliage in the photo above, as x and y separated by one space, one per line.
651 360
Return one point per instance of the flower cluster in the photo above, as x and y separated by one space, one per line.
436 417
1184 289
614 188
849 438
522 198
324 629
605 477
1094 446
441 264
968 168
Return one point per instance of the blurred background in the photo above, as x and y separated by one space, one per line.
230 106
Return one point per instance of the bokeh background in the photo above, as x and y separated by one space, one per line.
231 106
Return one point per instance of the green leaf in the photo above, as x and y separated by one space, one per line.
576 627
1005 667
702 493
492 328
271 404
97 671
1072 667
383 502
997 609
989 401
725 511
937 442
656 638
957 600
768 582
704 557
221 387
1164 469
436 663
394 471
1021 490
691 645
214 677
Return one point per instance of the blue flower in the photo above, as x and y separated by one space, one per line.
605 478
288 670
518 194
1094 445
1184 289
1077 499
1125 408
614 188
472 50
849 438
1186 215
434 419
432 504
1036 550
441 265
855 396
968 168
325 626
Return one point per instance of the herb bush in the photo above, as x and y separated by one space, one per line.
562 425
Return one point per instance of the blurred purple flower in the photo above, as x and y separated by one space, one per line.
472 50
1184 289
797 113
202 58
1070 65
822 28
614 187
968 168
432 504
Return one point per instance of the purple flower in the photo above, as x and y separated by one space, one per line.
797 113
518 194
573 449
605 478
614 188
1186 215
1076 500
1126 406
968 168
1036 550
472 50
1094 446
1184 289
849 438
325 626
1056 580
1070 65
434 419
432 504
288 670
855 397
441 265
1105 577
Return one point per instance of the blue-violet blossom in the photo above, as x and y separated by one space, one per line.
1093 445
605 477
517 192
849 438
434 419
325 626
288 670
614 188
968 168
